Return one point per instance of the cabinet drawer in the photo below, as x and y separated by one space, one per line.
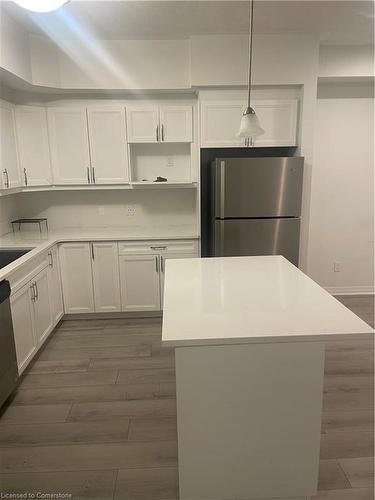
27 271
159 246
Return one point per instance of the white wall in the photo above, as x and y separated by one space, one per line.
14 47
159 207
337 61
342 199
8 212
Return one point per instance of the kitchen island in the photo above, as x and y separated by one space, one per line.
249 337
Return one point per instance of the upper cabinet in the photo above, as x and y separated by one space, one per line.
33 145
160 124
108 144
69 145
220 121
10 172
88 147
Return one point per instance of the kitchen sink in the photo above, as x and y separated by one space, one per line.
11 254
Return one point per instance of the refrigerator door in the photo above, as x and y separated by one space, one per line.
258 187
235 237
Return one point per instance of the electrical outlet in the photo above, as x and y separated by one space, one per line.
130 210
336 267
170 162
101 210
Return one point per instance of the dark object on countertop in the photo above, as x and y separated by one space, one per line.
40 221
160 179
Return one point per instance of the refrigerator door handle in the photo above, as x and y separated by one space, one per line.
220 190
219 239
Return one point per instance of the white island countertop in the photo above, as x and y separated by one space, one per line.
40 242
234 300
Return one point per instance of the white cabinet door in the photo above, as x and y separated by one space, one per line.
220 122
176 123
11 176
278 118
163 258
143 123
33 145
106 276
42 307
76 277
108 145
54 282
139 276
23 325
69 145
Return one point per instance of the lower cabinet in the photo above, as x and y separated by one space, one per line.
32 318
106 277
111 276
54 282
90 277
23 325
139 276
76 277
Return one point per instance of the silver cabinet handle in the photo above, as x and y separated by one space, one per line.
158 248
92 251
88 175
162 132
93 175
156 263
162 263
157 133
251 141
33 296
50 259
25 176
5 172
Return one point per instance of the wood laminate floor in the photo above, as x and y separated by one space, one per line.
95 416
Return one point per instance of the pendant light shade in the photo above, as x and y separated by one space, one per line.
41 5
250 126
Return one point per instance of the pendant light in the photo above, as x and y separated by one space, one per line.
249 126
41 5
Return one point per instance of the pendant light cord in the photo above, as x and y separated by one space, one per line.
251 23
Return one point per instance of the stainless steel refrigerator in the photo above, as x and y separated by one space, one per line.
256 206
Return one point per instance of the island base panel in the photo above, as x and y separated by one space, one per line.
249 420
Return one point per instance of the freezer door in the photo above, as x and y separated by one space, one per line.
258 187
257 237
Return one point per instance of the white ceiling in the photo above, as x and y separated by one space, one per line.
334 22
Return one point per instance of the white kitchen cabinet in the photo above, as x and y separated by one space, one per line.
10 172
68 137
176 124
139 277
33 145
108 145
164 123
23 325
76 277
142 123
43 323
54 277
220 121
106 276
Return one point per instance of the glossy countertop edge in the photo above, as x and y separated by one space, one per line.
44 243
275 339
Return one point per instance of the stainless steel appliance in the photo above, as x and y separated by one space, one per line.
256 206
8 360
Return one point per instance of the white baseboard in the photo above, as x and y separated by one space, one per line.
351 290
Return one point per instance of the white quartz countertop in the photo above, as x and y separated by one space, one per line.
233 300
40 242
